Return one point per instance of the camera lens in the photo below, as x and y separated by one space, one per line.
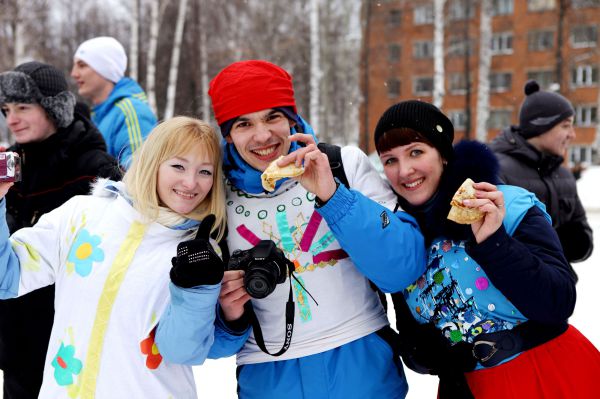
261 279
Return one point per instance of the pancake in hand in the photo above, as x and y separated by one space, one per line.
460 213
274 173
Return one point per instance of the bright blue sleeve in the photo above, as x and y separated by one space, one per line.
132 124
227 342
185 331
10 271
387 248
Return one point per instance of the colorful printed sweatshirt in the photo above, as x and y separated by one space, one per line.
111 271
124 119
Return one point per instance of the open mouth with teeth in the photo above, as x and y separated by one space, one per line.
266 154
184 194
413 184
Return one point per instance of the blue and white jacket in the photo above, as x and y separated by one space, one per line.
124 119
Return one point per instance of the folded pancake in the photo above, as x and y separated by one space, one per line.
274 173
460 213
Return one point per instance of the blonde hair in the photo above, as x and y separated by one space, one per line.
172 138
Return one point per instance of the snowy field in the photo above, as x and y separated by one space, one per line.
216 378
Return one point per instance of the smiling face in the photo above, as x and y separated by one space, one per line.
184 181
414 171
556 140
90 83
29 123
261 137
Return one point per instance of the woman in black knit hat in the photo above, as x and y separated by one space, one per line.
531 156
489 315
62 153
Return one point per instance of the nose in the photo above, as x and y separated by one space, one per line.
189 180
74 71
262 132
11 118
405 169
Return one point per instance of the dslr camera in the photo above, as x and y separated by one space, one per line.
265 266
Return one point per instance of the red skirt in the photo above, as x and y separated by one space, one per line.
567 366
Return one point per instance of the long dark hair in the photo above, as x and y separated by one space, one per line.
398 137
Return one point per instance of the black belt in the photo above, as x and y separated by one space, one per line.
491 349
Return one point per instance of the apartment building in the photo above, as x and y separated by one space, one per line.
555 42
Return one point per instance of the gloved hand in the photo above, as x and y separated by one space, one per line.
196 262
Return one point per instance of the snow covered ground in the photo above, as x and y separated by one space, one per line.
216 378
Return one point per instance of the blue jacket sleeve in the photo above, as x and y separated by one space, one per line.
10 271
133 124
387 248
227 342
529 268
186 329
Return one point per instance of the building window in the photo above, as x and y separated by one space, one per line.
423 14
584 75
540 40
586 115
394 18
541 5
500 81
584 36
544 78
585 3
393 87
458 119
580 155
502 43
499 118
502 7
423 49
459 47
460 10
423 86
458 83
394 51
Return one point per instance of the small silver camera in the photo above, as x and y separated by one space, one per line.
10 167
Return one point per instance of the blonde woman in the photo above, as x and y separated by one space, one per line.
120 327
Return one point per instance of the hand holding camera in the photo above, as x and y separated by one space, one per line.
265 266
196 262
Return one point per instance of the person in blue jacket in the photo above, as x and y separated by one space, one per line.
322 332
490 313
120 109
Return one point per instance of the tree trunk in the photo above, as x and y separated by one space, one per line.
202 44
151 61
174 68
485 61
315 65
438 53
135 39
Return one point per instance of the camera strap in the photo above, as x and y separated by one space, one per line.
289 318
289 325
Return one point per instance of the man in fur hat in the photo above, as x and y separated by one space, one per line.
62 153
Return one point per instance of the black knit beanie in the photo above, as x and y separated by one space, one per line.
38 83
422 117
541 110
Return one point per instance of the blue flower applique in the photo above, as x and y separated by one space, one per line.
84 252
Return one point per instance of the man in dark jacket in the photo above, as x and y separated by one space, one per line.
61 153
531 155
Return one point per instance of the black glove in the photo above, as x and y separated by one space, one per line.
196 262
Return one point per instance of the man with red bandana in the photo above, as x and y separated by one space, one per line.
337 341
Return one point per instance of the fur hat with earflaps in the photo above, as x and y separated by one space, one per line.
38 83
